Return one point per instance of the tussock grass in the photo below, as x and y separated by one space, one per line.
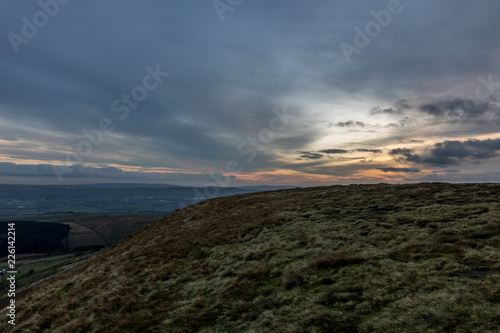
365 258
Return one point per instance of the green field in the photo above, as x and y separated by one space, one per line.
33 270
87 233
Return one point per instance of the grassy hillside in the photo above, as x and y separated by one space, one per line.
371 258
101 231
33 270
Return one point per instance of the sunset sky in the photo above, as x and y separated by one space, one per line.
249 92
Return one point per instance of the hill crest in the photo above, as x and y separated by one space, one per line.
366 258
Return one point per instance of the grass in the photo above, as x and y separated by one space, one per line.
365 258
33 270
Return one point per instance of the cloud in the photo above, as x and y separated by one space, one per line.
386 111
334 151
411 141
407 170
450 152
226 79
454 107
310 156
406 153
448 107
105 173
375 151
453 152
351 123
397 110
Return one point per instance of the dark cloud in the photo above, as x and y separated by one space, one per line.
407 170
406 153
361 159
334 151
375 151
454 107
103 173
453 152
351 123
397 110
443 108
450 152
401 151
227 77
310 156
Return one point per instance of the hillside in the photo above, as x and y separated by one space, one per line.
365 258
102 231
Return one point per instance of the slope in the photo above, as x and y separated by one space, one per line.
365 258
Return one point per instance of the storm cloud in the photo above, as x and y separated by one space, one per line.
229 81
450 152
453 152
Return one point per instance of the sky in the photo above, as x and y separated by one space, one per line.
239 92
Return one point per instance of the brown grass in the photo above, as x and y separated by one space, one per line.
366 258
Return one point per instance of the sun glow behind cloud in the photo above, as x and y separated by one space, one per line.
406 90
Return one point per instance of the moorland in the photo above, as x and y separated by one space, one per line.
359 258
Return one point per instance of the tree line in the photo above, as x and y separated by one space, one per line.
35 237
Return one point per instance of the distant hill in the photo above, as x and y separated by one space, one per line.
262 188
128 185
107 198
361 258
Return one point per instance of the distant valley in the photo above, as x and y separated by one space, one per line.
58 226
17 200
